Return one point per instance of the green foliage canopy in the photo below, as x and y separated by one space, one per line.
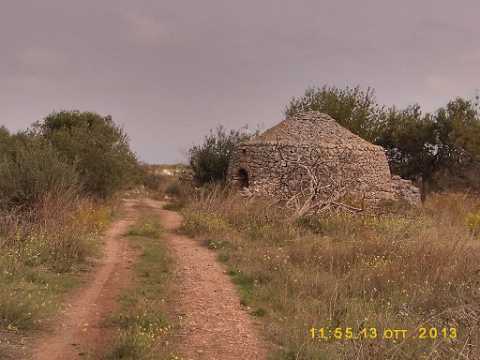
31 168
209 161
95 146
353 108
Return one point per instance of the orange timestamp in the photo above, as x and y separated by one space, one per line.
372 333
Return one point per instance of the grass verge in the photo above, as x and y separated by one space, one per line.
43 254
143 328
413 269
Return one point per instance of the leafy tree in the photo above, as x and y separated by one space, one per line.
353 108
96 146
458 130
410 140
209 161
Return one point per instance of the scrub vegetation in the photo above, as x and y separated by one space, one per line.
58 182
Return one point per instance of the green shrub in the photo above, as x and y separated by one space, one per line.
354 108
32 168
96 146
209 161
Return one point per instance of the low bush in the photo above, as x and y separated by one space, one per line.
31 168
209 161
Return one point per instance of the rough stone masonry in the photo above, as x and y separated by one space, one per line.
312 152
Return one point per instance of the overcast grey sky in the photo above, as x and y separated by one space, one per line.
171 70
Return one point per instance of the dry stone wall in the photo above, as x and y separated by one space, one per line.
281 170
283 161
406 190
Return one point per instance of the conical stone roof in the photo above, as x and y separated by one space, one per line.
312 128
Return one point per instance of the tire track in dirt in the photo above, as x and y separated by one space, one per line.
213 325
77 331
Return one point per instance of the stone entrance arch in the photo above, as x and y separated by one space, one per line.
243 179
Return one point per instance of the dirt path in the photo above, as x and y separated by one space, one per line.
78 330
214 326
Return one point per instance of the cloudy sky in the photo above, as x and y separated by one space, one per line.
168 71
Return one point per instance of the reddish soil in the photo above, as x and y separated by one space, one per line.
213 324
78 331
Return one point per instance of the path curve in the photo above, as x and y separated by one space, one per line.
78 329
214 325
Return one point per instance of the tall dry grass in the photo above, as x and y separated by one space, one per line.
40 249
57 232
404 270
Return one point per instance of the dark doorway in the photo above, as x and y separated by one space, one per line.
243 178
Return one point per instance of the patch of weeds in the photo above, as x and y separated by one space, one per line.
322 225
174 205
223 257
259 312
245 285
26 299
146 227
205 223
216 244
139 331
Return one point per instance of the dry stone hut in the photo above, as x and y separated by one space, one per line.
310 157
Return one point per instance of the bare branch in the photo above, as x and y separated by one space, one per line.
316 184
